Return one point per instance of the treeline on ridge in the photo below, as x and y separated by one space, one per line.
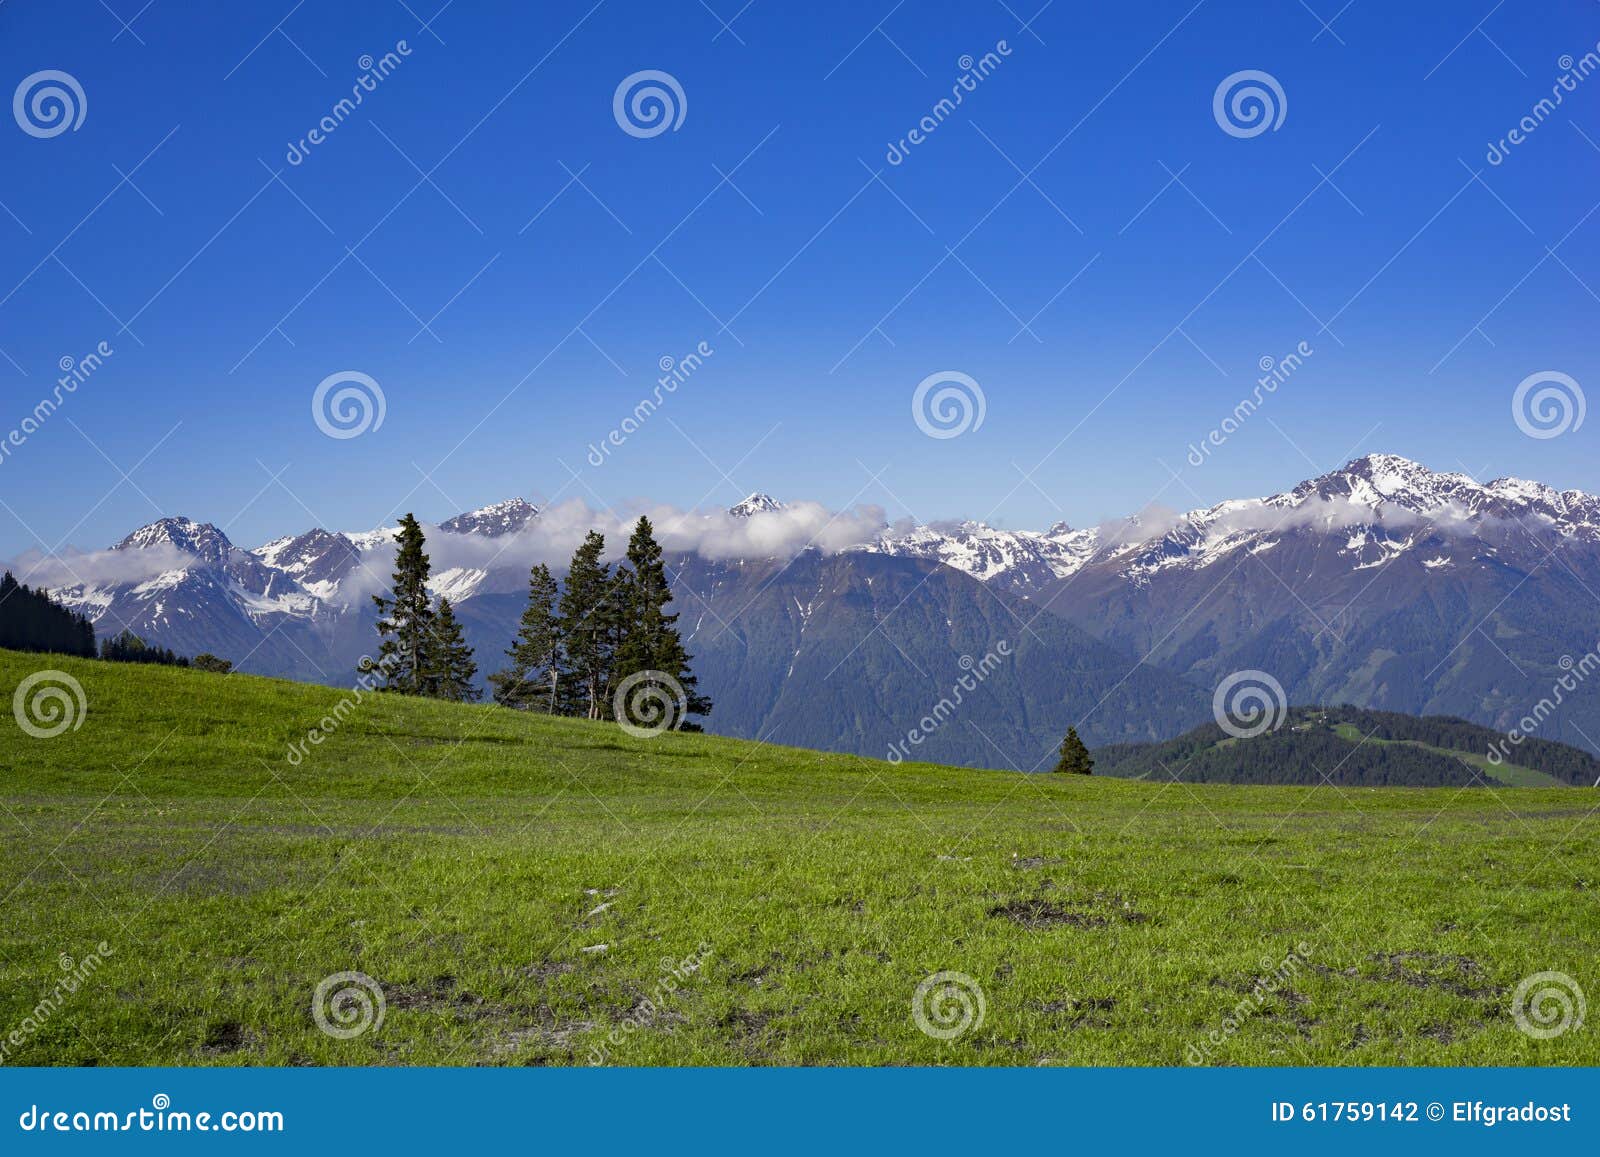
1306 748
32 620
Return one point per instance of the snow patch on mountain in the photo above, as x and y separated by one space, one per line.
1371 511
1019 559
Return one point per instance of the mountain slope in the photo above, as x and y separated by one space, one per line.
1352 747
852 652
1381 584
507 887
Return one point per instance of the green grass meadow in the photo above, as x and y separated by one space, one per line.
472 861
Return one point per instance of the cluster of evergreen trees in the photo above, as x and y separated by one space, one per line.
30 620
128 647
575 648
576 642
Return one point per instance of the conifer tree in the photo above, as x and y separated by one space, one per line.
1075 758
588 626
405 618
532 680
649 637
450 668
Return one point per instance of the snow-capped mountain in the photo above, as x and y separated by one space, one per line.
493 521
1019 560
757 503
318 560
1376 508
1382 583
200 539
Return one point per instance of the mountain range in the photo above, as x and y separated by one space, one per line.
1382 584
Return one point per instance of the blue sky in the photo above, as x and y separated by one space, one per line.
826 292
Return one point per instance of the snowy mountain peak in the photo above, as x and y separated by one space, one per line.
316 559
506 517
757 503
200 539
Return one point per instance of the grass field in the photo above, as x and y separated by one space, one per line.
472 860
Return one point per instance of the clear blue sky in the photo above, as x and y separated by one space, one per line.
548 333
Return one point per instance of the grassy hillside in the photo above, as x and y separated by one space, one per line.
473 861
1355 747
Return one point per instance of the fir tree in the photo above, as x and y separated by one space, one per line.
532 681
449 668
1075 758
588 621
405 618
649 639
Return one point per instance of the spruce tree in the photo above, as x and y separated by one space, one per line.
1075 758
450 667
588 626
405 618
649 637
532 680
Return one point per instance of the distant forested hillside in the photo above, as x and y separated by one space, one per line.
30 620
1350 746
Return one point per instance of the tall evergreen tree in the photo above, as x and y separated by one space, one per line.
450 668
1075 758
532 681
405 617
649 639
588 620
